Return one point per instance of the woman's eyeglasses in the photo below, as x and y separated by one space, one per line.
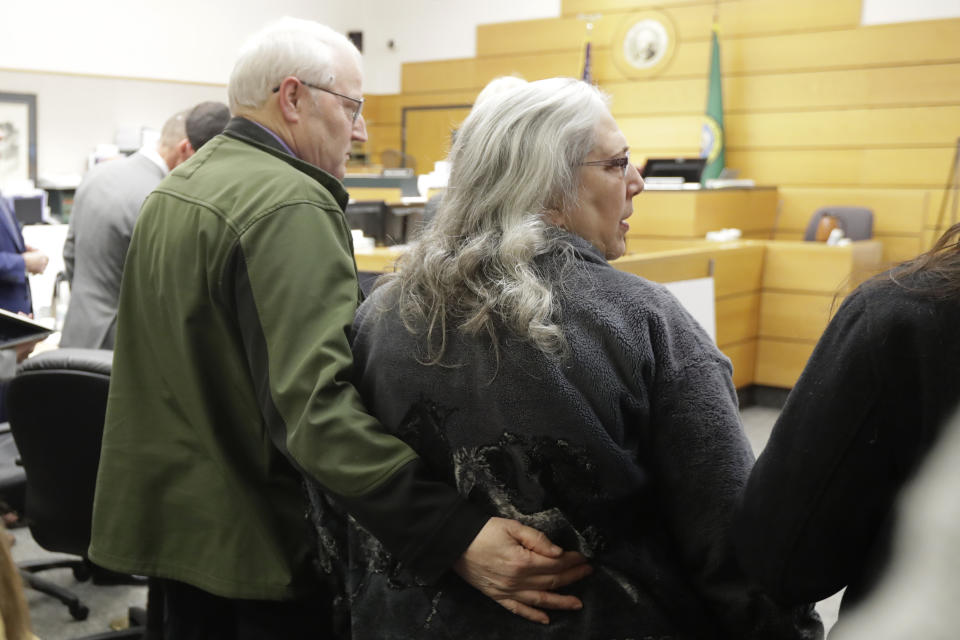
622 162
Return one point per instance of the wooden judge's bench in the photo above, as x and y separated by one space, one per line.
773 298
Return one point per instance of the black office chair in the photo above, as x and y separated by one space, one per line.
56 405
856 222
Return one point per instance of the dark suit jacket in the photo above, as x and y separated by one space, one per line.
14 287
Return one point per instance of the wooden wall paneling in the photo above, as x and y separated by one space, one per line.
780 362
657 96
663 132
738 317
474 73
573 7
378 108
737 267
763 16
923 84
788 236
934 84
895 211
934 219
429 132
859 128
745 17
898 44
794 315
743 357
381 138
813 267
547 34
929 237
690 60
899 248
847 167
875 46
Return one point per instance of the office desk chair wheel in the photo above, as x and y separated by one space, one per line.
81 572
78 610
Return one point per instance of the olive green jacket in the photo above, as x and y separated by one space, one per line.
231 383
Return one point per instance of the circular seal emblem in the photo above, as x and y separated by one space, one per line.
644 44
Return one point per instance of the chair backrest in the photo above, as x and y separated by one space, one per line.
56 404
856 222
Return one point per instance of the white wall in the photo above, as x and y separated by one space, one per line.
95 65
885 11
431 30
75 113
196 41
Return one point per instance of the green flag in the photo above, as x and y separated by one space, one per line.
712 138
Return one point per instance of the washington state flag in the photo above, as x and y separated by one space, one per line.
712 138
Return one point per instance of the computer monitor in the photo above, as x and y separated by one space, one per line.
28 209
690 169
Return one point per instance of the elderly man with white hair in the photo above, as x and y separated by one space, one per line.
231 379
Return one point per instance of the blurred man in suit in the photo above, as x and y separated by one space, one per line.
17 259
104 213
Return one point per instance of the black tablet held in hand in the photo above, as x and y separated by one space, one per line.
16 329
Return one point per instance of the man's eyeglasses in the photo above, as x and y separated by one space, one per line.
357 101
622 163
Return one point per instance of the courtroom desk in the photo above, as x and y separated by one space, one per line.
664 217
803 282
378 260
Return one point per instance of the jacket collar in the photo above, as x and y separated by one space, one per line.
252 133
583 248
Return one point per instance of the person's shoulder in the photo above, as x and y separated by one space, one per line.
616 286
382 298
901 295
263 172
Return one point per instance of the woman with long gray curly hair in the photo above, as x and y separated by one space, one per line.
557 390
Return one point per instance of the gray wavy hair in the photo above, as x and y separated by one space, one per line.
285 47
516 158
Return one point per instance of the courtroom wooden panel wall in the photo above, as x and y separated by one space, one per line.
831 112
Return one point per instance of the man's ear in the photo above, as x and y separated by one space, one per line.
185 149
288 98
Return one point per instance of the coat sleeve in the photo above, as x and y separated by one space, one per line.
702 463
821 488
12 267
296 293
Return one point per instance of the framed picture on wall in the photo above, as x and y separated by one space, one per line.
18 137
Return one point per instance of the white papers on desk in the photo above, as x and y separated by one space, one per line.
669 183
